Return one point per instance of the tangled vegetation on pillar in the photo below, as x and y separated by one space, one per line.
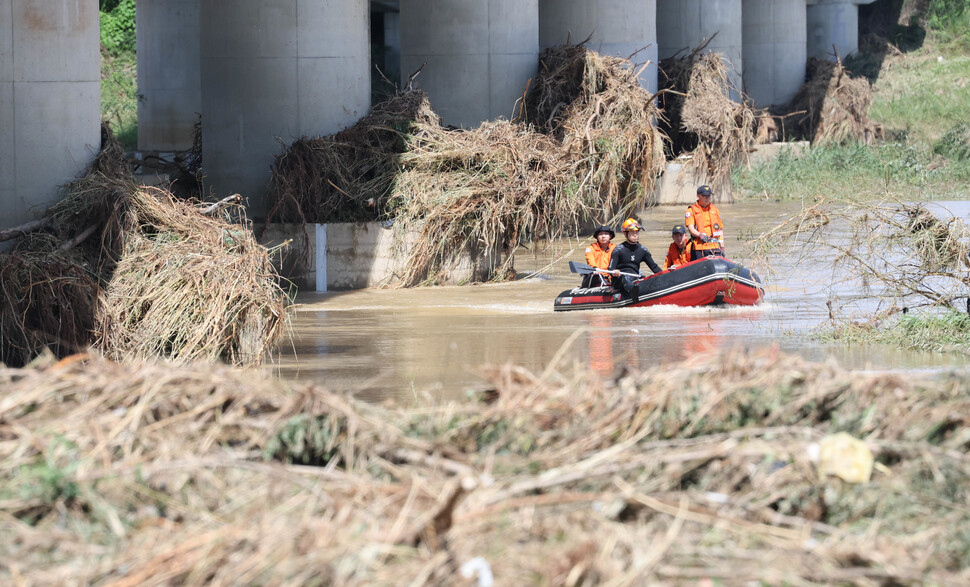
607 124
584 148
702 119
831 107
348 176
138 273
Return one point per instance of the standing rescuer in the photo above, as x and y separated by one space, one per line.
598 256
628 255
703 221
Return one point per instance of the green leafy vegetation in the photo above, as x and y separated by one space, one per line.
119 91
920 98
946 331
118 27
950 21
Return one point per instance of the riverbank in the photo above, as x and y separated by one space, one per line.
149 474
920 98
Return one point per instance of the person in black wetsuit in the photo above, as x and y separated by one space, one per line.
627 256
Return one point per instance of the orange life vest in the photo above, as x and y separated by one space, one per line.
597 257
677 257
707 221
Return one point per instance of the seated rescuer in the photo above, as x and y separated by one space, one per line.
680 250
627 256
703 221
598 256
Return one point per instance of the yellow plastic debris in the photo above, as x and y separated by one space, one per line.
845 457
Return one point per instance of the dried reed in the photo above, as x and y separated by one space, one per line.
702 118
157 474
138 273
348 176
834 106
586 148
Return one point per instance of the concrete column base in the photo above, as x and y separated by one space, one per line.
678 185
359 255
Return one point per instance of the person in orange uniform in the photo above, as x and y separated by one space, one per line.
680 250
703 221
598 256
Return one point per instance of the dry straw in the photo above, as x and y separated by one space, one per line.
702 118
832 106
138 273
154 474
585 147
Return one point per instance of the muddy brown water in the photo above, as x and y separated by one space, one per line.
414 344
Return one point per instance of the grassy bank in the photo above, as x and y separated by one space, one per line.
119 96
921 98
119 88
939 331
150 474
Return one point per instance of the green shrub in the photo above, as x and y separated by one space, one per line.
118 26
950 19
955 143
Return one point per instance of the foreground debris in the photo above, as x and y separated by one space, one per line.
153 474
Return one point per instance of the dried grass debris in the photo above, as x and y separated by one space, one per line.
487 189
701 116
834 106
348 176
150 473
138 273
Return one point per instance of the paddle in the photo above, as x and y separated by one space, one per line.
584 269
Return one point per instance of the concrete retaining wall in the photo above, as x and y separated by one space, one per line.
359 255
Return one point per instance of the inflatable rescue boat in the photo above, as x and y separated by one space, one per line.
704 282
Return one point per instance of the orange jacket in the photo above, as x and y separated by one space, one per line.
597 257
707 221
677 257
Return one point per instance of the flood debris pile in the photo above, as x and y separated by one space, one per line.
462 191
138 273
831 107
585 147
348 176
607 124
702 119
197 474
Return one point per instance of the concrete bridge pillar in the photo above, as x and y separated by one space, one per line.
50 100
479 55
774 49
622 28
169 81
276 68
685 24
833 23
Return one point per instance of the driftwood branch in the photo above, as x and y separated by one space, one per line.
68 245
215 207
9 233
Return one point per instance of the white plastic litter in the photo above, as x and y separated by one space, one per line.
478 566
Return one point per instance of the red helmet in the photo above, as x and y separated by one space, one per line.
630 224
